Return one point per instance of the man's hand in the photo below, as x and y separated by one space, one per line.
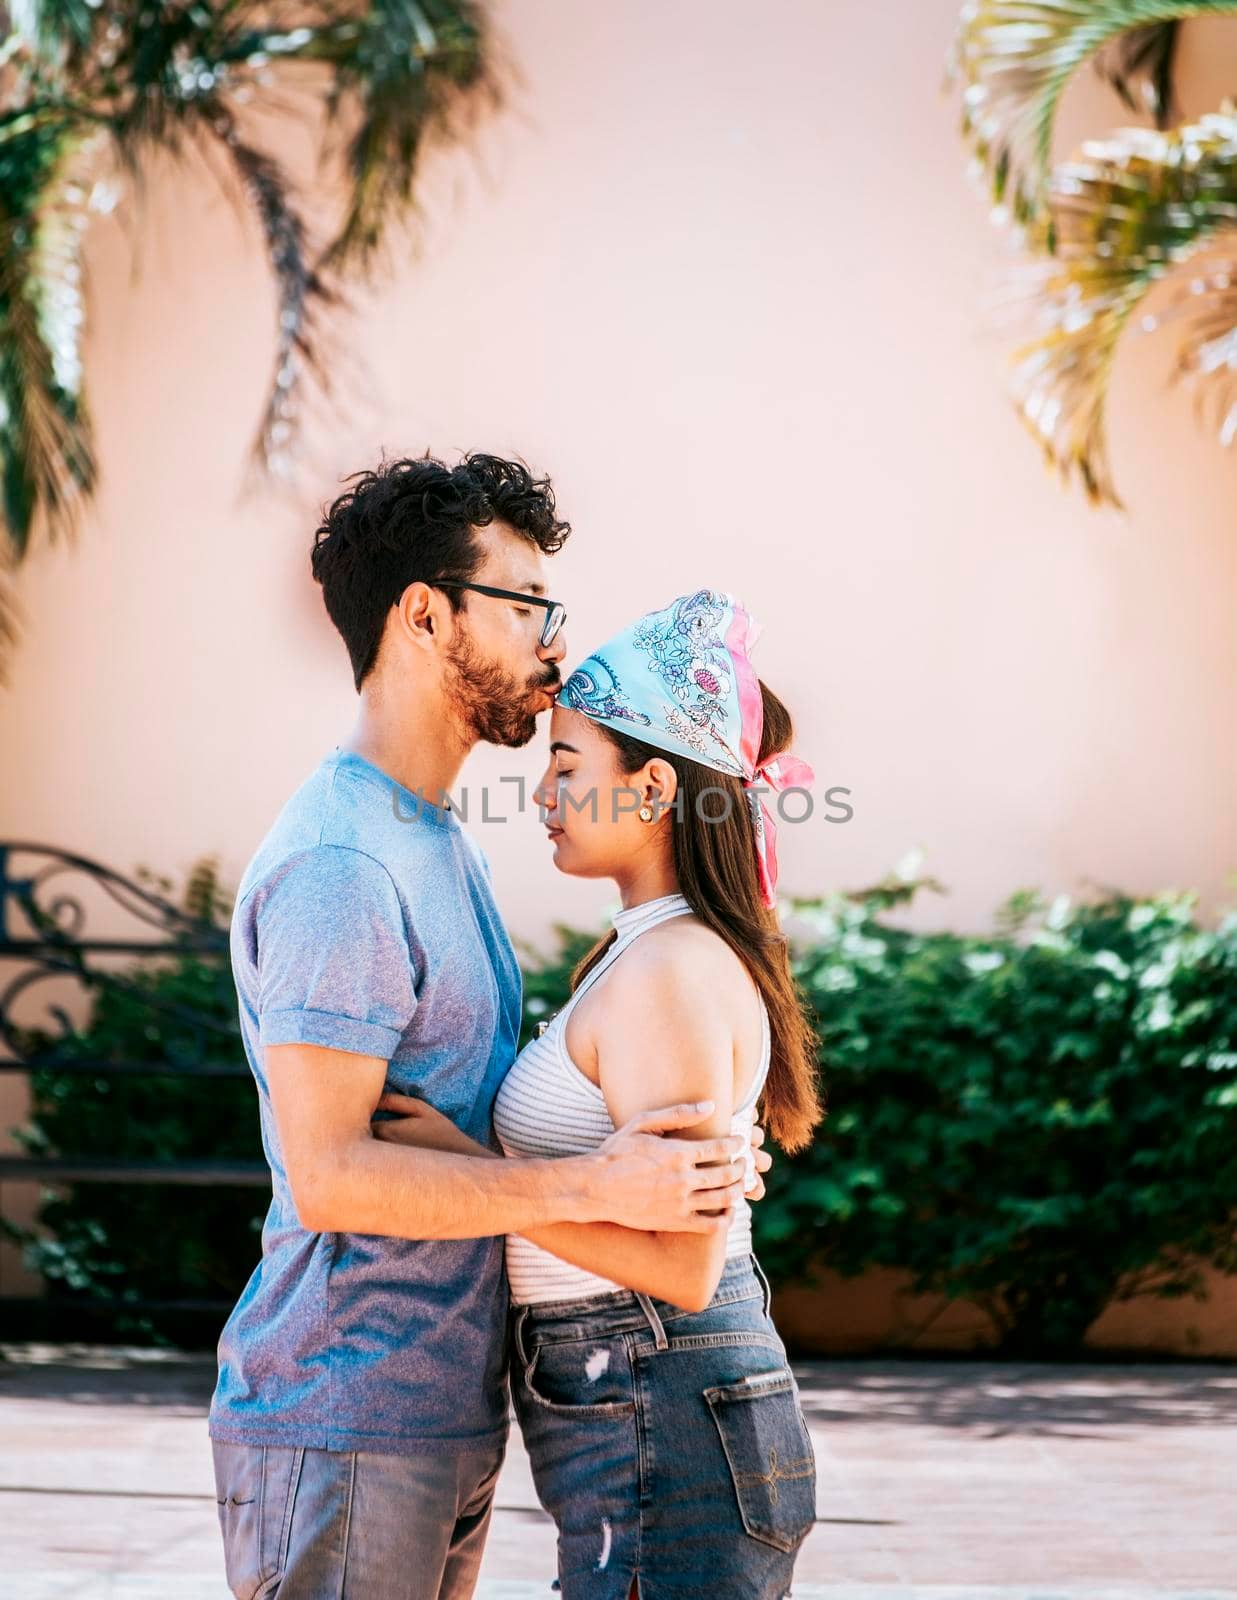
670 1185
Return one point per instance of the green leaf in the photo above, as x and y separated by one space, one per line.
45 457
398 75
1014 59
1132 210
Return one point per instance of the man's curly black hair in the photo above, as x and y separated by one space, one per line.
411 521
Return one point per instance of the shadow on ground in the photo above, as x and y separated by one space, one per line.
1025 1398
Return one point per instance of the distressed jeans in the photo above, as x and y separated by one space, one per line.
306 1524
669 1446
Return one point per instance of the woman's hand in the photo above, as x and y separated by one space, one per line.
763 1162
417 1123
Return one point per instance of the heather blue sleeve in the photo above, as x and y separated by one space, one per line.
333 962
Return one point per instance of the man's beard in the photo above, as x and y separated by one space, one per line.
491 702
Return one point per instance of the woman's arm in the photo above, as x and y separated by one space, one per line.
636 1259
660 1264
657 1027
658 1033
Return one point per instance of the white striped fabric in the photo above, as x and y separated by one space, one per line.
547 1107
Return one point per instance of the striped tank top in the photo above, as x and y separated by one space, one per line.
547 1107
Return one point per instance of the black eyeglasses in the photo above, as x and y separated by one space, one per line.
556 614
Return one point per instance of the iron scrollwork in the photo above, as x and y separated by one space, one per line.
43 940
43 937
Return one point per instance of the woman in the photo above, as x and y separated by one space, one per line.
660 1416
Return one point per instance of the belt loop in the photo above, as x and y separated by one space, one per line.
659 1333
760 1273
518 1331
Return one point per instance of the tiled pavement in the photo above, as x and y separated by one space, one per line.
937 1481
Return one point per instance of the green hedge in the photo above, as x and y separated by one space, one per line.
1037 1121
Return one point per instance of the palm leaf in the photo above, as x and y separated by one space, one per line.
52 28
417 68
168 69
394 74
401 73
9 610
1014 59
1139 66
183 69
1127 213
1206 306
301 292
45 456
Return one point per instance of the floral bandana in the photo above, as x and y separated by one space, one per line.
681 680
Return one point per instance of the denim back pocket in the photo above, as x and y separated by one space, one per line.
581 1377
770 1455
254 1488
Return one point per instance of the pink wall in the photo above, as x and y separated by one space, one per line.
722 274
720 271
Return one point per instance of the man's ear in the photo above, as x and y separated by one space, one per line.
418 613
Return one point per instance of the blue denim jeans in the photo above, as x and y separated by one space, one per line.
667 1445
306 1524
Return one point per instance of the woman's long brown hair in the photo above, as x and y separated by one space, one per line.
715 862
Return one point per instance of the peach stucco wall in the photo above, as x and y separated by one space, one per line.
718 269
878 1312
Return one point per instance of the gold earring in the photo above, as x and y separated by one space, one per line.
646 813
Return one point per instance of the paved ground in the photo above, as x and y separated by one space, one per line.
938 1481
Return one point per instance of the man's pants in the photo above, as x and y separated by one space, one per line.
353 1525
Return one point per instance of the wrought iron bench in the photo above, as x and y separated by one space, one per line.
44 939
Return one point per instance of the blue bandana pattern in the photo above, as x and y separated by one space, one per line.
681 679
671 673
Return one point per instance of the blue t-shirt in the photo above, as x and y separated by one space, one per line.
366 922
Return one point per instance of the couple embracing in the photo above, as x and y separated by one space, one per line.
452 1224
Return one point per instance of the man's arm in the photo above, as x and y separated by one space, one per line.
345 1181
335 996
407 1120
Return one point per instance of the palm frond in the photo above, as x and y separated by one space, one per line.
168 68
176 75
1014 59
1125 214
1206 307
53 28
45 456
400 74
10 611
416 68
1139 66
301 292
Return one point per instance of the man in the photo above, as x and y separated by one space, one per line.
360 1416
